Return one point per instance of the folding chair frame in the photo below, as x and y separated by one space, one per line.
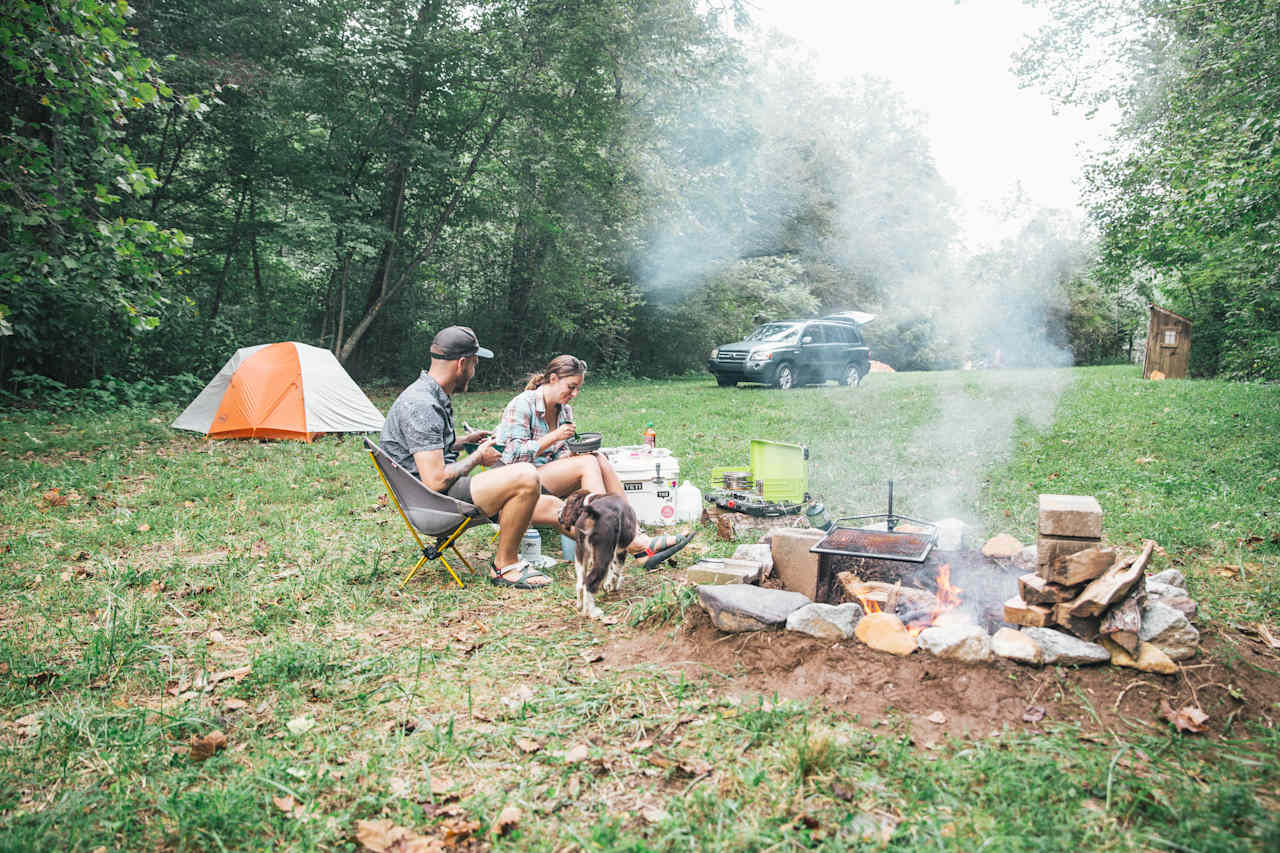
429 552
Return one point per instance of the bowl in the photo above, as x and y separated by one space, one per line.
584 442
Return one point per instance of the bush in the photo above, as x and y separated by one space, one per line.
32 391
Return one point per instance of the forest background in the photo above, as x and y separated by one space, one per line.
634 181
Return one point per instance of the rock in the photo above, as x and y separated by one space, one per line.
742 607
1078 516
1173 577
1025 559
1162 589
1149 659
1002 547
1019 612
724 571
1013 644
762 554
1182 603
792 562
1169 630
825 621
1036 590
885 632
1066 650
965 643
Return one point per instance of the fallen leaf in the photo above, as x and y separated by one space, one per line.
300 725
285 804
1143 460
695 766
640 745
1188 718
399 787
1229 572
592 656
144 527
258 548
1033 714
205 747
527 745
54 498
1265 633
234 704
508 819
188 504
216 636
234 674
938 718
382 836
440 785
457 829
575 753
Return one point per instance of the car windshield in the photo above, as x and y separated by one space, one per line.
774 332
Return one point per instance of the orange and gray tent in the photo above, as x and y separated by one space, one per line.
285 390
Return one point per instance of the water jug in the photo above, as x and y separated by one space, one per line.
531 546
568 547
688 502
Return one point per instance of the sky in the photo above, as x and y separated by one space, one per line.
952 60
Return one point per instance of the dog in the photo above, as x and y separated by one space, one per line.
603 525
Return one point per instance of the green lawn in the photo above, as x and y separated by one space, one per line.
136 594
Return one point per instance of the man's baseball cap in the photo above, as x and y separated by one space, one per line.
457 342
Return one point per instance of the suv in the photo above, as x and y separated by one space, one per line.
796 352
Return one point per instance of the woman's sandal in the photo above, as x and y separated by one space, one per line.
656 556
527 572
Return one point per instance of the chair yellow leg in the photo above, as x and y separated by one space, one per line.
451 571
413 571
464 560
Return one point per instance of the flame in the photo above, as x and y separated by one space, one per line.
948 595
869 605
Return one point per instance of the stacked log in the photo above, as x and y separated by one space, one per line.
1085 588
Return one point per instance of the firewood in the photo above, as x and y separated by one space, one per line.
1084 627
1123 621
1036 590
1019 612
1081 566
1113 585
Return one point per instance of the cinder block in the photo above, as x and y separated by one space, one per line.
793 565
1077 516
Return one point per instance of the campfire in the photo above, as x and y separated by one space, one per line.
916 608
1069 599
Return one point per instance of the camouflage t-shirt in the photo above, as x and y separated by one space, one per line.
420 419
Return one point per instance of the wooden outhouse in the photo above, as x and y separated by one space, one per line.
1168 345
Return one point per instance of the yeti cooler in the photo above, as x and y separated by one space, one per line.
650 477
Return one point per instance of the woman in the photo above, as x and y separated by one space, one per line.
526 435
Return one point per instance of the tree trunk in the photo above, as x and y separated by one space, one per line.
233 242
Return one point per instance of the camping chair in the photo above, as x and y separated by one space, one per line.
427 512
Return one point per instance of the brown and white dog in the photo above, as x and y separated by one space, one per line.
603 526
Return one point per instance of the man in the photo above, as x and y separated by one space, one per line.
419 435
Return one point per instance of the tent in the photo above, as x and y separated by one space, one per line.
285 390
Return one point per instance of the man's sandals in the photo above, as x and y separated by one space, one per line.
527 573
662 548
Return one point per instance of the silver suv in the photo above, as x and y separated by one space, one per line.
796 352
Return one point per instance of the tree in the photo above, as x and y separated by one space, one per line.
76 263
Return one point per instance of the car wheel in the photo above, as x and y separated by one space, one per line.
852 376
784 377
726 382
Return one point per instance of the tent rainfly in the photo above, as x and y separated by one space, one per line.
284 390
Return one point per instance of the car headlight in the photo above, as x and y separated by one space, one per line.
715 352
761 355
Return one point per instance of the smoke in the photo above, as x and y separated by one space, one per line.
838 186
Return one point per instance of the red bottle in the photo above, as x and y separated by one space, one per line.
650 436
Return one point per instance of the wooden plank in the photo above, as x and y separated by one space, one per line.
1113 585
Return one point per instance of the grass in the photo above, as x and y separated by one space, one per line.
163 564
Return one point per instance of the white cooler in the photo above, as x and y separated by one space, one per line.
649 477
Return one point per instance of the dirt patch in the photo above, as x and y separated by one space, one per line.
1233 679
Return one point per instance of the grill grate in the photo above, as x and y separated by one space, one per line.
909 545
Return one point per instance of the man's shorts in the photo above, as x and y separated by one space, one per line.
461 489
